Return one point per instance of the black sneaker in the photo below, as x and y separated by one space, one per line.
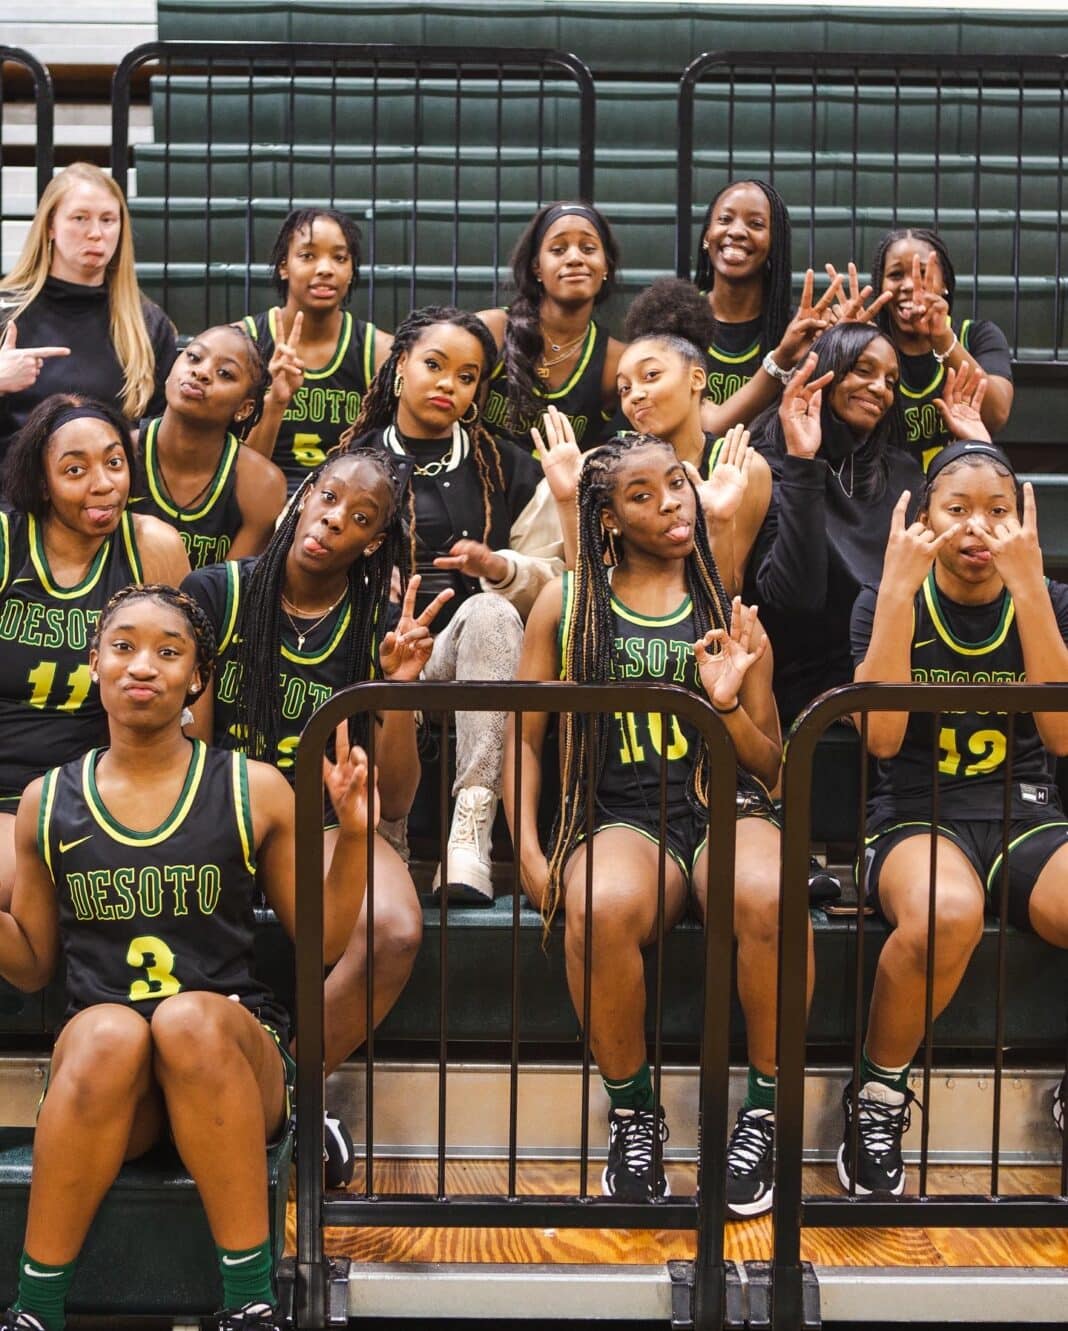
339 1154
1058 1105
750 1179
883 1119
823 885
252 1317
628 1173
13 1321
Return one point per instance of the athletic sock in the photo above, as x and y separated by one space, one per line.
246 1274
760 1091
896 1078
43 1290
634 1092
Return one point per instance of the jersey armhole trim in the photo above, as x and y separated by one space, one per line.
44 820
129 540
233 600
5 551
243 809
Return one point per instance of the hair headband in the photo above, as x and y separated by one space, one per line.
571 209
966 448
84 413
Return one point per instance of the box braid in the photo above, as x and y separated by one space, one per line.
776 304
589 656
378 408
878 267
200 626
260 618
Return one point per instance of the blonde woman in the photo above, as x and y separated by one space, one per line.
72 314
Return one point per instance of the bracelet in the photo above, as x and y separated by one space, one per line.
726 711
772 367
943 356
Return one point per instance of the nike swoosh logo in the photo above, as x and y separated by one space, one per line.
239 1261
64 846
926 642
43 1275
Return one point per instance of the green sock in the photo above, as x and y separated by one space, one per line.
246 1274
896 1078
43 1290
634 1092
760 1091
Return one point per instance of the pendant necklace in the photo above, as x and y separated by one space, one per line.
301 615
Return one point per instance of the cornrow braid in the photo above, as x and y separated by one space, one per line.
200 626
589 655
776 302
261 381
260 617
878 268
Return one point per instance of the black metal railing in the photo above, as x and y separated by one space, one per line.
432 149
703 1212
792 1208
857 143
45 111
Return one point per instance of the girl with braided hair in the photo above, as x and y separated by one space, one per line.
645 602
68 542
913 268
551 350
482 528
309 617
143 861
196 477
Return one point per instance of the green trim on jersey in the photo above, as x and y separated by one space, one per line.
243 808
233 600
650 621
129 540
227 460
126 835
340 350
551 394
940 373
233 605
735 358
5 543
44 818
317 658
934 609
624 612
39 559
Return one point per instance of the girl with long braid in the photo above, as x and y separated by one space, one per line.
222 498
309 617
912 267
645 602
167 1030
481 528
551 349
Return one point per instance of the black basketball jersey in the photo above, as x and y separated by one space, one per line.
961 644
308 674
733 358
580 398
144 915
50 709
208 527
327 402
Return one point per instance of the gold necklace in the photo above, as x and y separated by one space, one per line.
286 604
565 349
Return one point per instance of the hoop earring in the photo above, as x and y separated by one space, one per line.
465 419
398 385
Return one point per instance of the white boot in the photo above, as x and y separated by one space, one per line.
468 850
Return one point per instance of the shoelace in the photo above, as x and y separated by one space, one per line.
468 824
637 1136
880 1126
752 1135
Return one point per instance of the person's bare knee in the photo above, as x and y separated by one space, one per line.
191 1041
756 905
106 1062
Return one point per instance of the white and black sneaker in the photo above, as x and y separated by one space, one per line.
20 1321
883 1118
750 1176
1058 1105
252 1317
339 1154
628 1174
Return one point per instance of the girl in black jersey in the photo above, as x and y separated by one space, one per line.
196 477
309 617
480 526
913 267
67 544
661 614
141 862
962 598
551 349
321 356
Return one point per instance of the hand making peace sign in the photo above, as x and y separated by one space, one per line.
350 785
286 367
406 649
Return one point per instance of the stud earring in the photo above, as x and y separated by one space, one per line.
94 677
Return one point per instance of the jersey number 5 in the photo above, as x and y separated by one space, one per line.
154 957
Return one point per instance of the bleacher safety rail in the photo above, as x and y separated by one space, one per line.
860 142
703 1212
793 1209
404 138
45 104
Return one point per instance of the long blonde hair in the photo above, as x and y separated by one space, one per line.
129 332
